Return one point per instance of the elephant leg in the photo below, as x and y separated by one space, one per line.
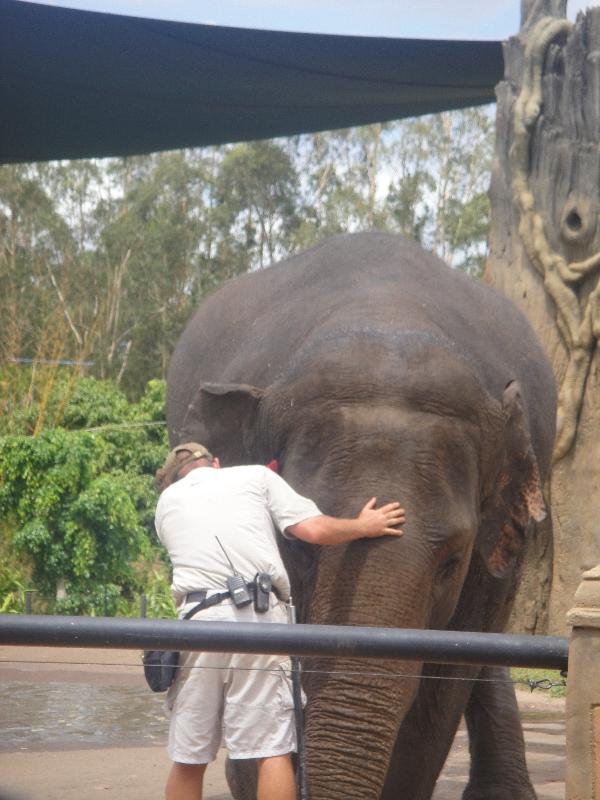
498 766
427 732
242 777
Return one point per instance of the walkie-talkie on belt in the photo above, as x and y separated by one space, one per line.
236 584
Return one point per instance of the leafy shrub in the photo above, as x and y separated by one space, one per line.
81 497
159 600
97 601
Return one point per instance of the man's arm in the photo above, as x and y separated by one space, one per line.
369 524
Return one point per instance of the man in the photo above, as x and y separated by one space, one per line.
207 516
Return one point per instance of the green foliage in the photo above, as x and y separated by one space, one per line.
12 575
438 193
159 599
258 185
32 397
82 499
93 403
96 600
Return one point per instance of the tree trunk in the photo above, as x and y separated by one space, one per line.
545 255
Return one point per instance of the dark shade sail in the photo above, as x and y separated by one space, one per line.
78 84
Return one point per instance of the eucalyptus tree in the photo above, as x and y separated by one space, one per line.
438 193
257 187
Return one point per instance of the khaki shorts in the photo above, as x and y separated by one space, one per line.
242 701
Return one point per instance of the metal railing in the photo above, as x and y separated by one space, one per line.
442 647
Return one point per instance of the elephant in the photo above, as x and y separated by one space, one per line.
365 367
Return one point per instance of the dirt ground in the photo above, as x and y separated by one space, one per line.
51 771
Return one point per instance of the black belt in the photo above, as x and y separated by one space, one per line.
199 596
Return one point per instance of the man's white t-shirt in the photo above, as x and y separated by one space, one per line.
243 507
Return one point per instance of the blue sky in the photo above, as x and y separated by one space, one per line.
428 19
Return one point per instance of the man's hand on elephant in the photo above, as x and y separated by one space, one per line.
381 521
370 523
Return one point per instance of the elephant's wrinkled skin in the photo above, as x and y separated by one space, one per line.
367 367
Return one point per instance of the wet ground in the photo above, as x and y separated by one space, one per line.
66 715
91 727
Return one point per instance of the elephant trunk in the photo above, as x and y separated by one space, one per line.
351 727
355 706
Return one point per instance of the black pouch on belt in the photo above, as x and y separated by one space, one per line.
160 666
262 592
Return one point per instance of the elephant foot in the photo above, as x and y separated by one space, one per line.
496 792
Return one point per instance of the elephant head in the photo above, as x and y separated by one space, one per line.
405 417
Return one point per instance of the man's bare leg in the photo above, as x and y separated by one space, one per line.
276 780
185 782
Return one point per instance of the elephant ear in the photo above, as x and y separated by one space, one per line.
515 497
224 416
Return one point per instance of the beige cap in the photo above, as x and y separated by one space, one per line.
167 474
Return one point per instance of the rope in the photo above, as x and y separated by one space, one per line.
117 426
543 683
108 426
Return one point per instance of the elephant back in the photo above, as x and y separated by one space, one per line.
248 330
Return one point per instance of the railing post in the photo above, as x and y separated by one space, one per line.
583 692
